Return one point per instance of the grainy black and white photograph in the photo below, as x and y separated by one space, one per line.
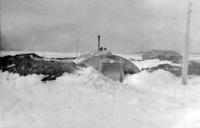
99 63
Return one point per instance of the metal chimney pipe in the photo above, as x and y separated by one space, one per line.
99 42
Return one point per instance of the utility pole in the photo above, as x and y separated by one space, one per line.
186 47
77 46
0 38
0 30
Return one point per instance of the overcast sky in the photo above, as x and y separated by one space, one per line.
125 25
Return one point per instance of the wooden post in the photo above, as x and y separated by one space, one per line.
0 118
0 34
77 46
186 47
1 47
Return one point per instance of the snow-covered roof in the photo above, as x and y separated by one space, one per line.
87 56
165 52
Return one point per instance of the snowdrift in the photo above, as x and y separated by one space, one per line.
87 99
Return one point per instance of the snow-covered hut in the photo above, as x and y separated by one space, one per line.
163 55
113 66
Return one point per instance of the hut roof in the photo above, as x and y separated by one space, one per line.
91 59
85 57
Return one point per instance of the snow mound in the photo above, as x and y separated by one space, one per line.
87 99
155 78
152 63
189 119
69 101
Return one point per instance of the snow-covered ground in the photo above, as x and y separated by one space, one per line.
87 99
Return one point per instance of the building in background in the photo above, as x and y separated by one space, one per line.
170 55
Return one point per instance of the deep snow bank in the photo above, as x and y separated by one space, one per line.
152 63
87 99
155 78
163 82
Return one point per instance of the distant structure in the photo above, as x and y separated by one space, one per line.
112 66
173 56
